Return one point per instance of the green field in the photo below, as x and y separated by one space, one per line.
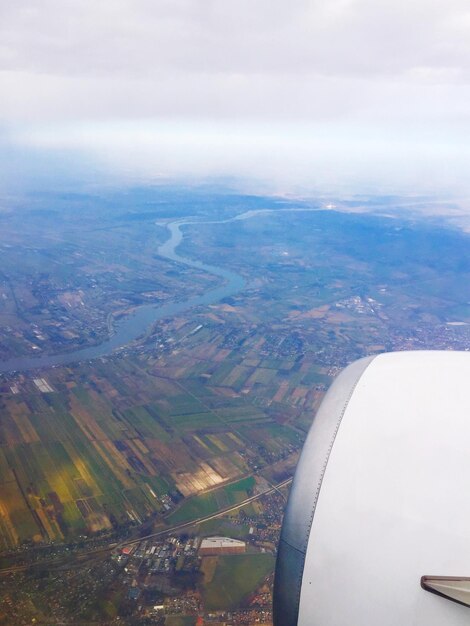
180 620
235 577
208 503
224 527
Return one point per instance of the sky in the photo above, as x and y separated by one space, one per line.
304 95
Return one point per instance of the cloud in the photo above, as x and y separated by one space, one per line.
377 76
142 57
145 37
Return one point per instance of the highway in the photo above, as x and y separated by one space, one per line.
206 518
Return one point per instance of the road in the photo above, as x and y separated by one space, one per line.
206 518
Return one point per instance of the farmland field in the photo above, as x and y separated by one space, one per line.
235 576
108 446
180 620
207 503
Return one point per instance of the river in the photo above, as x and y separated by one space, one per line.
133 326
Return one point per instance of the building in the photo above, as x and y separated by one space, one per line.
214 546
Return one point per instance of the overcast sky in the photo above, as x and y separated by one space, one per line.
300 93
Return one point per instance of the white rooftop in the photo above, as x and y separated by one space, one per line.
221 542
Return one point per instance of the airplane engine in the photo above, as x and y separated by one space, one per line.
377 526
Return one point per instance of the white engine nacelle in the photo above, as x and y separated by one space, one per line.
379 511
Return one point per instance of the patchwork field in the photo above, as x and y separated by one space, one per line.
88 451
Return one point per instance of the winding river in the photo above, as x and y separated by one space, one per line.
133 326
